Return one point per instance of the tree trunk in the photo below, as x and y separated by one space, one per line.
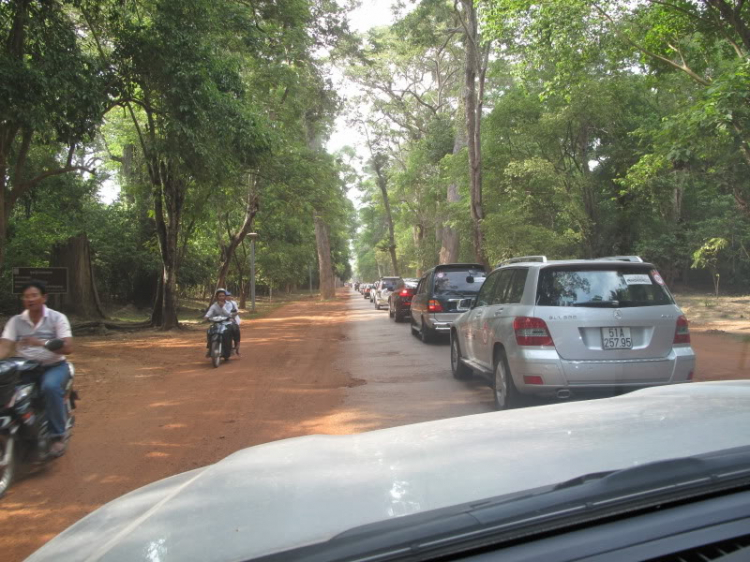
251 209
169 319
325 267
418 237
450 240
475 72
169 196
82 298
379 165
157 312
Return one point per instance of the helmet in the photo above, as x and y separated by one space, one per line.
221 291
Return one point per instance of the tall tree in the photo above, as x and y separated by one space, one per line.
186 104
53 96
378 162
475 74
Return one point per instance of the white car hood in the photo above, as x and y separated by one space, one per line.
305 490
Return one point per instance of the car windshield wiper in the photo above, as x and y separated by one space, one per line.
495 521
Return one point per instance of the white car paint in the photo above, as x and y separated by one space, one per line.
301 491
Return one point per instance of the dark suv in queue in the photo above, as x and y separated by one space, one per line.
443 294
399 301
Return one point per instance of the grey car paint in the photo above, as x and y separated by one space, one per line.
380 297
305 490
576 362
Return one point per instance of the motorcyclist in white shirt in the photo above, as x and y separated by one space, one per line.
224 307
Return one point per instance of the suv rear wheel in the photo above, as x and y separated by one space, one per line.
460 371
426 333
506 393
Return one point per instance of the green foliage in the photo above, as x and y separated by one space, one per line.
707 255
57 87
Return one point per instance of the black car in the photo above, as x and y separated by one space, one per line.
443 294
399 301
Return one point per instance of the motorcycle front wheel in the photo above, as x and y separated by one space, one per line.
7 463
216 353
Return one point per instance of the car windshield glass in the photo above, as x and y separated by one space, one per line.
388 285
458 281
613 286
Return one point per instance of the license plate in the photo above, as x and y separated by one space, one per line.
616 338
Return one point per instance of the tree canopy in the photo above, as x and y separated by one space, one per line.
488 129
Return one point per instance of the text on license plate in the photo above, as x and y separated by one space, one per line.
616 338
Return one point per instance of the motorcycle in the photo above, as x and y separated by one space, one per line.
24 430
220 339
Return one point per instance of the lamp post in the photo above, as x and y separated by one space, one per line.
253 236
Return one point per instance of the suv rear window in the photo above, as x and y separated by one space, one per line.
449 281
389 284
608 286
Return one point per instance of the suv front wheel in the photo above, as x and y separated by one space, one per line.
506 393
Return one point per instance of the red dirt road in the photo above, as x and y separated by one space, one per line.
152 405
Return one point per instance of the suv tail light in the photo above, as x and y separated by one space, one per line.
532 331
682 333
405 292
434 306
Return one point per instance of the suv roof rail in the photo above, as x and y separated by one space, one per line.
622 258
519 259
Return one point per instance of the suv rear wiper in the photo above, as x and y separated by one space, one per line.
495 521
613 304
458 293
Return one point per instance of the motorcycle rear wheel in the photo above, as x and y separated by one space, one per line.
216 353
8 471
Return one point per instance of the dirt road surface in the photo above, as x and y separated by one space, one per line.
152 405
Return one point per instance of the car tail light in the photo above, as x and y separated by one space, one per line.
682 333
434 306
405 292
532 331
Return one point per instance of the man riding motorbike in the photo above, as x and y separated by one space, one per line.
25 335
223 307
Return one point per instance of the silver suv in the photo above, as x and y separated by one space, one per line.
382 291
557 328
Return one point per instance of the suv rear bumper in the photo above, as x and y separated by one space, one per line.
581 376
442 322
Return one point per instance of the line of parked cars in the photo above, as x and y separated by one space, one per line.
548 328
